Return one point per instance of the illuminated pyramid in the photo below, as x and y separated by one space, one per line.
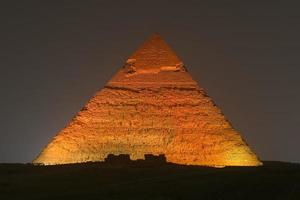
151 106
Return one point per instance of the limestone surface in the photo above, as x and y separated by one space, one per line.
151 106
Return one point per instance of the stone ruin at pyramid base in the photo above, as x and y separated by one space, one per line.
151 106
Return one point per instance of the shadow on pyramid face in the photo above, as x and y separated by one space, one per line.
124 159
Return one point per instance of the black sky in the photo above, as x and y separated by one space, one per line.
54 55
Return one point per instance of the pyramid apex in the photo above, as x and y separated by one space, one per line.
156 39
153 53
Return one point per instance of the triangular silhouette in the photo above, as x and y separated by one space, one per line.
151 106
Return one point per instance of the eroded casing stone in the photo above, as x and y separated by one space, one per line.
151 106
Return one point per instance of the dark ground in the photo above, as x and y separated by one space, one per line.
275 180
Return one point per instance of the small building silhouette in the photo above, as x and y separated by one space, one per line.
149 159
118 159
161 158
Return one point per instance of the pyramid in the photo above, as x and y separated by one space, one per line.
151 106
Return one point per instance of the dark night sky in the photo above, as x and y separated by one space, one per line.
56 54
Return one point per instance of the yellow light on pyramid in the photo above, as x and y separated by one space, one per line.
151 106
